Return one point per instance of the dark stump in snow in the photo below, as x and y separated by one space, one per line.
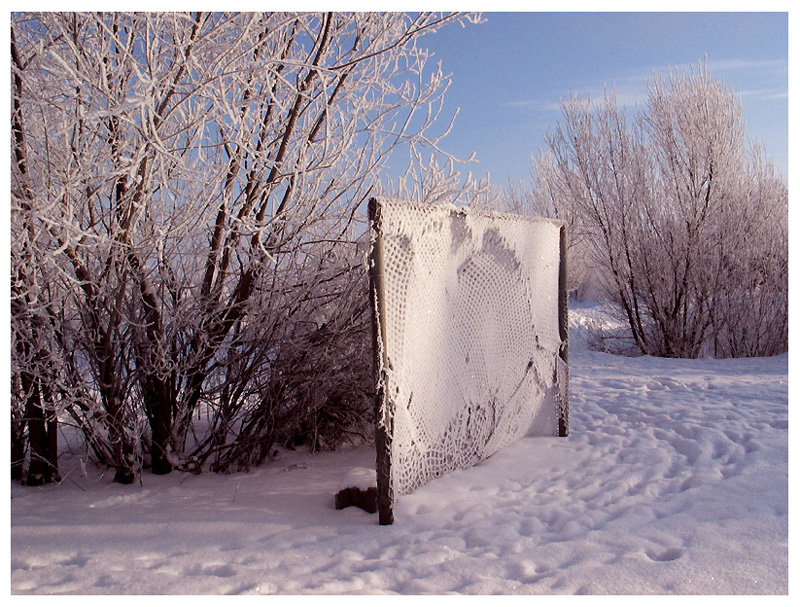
366 499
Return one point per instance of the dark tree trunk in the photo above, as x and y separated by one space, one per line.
42 427
17 445
159 411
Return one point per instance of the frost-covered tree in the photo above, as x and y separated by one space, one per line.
184 192
686 218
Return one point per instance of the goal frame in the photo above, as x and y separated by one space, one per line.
383 404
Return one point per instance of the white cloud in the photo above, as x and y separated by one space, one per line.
728 65
773 94
631 86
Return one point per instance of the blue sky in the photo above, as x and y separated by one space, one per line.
510 73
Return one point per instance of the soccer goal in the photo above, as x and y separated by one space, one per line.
470 338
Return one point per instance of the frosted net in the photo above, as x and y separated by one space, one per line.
471 338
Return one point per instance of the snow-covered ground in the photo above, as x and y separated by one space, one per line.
674 480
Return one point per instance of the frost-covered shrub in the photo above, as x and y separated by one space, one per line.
181 185
685 222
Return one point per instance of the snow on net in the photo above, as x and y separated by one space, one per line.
473 354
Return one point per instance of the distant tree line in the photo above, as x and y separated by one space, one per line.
678 216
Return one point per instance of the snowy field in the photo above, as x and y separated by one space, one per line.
673 481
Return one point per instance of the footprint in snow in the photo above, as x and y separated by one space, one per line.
670 554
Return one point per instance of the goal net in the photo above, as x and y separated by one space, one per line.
471 338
